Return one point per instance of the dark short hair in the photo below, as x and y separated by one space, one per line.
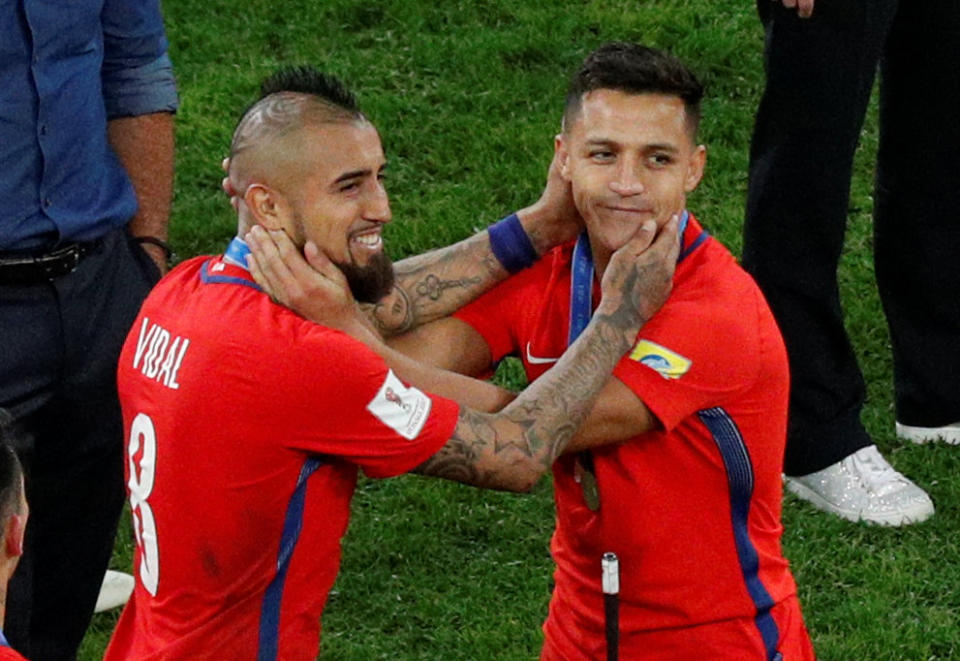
635 69
11 471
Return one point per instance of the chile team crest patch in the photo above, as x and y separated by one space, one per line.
403 409
660 359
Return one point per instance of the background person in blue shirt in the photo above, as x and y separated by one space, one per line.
86 142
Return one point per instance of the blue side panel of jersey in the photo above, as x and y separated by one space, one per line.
739 469
267 648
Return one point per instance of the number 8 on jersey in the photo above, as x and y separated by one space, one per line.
140 484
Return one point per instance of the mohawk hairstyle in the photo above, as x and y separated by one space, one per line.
305 79
635 69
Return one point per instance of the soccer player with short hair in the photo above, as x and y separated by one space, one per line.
246 423
688 492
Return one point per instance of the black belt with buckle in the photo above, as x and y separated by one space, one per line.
31 269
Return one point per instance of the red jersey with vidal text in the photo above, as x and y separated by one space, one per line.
693 510
245 426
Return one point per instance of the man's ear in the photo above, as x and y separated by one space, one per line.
698 161
562 155
14 535
267 206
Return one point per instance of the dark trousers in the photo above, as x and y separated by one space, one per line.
58 361
819 76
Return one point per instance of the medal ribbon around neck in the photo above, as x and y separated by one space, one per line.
581 309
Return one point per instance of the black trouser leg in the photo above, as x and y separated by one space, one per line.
74 511
820 72
917 214
68 335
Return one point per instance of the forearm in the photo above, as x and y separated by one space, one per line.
466 391
618 415
438 283
144 145
471 393
512 449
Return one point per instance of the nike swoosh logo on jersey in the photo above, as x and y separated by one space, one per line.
536 360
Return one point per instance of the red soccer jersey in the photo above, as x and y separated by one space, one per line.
692 511
245 425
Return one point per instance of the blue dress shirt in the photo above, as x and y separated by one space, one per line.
66 68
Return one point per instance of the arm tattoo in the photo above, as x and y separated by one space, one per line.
433 287
513 448
438 283
458 459
393 314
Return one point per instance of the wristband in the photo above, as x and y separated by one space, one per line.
154 241
511 245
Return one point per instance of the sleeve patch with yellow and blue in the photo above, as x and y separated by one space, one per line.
666 363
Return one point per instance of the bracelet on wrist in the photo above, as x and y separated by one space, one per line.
160 243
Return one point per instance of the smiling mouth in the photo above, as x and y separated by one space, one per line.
368 239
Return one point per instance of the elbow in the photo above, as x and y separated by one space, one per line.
526 487
531 476
139 89
521 478
517 486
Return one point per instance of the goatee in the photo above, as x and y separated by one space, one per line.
369 283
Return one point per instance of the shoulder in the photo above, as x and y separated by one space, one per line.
540 281
232 322
711 284
717 316
520 295
553 265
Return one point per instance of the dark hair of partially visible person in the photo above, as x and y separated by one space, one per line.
635 69
10 469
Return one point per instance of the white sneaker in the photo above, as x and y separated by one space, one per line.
948 433
864 487
115 591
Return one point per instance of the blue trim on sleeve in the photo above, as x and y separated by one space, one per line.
208 279
140 90
740 477
269 638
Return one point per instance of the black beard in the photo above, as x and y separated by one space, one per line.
369 283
